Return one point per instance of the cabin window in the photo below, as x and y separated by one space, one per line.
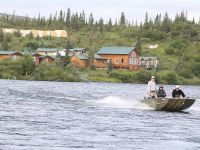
117 60
122 60
133 61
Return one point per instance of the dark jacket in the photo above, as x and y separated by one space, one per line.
177 93
161 93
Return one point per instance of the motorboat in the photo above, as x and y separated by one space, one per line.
169 104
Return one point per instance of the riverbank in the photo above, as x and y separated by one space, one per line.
25 69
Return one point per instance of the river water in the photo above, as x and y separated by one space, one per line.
58 115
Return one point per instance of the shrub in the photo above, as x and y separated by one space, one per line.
123 76
170 78
143 76
196 69
169 51
185 72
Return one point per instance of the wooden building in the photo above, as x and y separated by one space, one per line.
14 55
121 57
46 58
148 62
80 60
76 51
47 51
100 62
36 58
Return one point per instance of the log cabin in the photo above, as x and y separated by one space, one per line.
47 51
46 59
80 60
121 57
14 55
100 62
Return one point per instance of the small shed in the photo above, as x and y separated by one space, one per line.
46 58
149 62
100 62
80 60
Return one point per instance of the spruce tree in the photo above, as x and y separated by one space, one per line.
110 24
122 19
68 18
91 21
101 25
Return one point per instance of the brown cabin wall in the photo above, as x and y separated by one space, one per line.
2 57
14 57
47 60
99 63
120 57
79 62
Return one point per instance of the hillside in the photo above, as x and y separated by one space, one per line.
178 39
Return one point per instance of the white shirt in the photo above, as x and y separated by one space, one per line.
151 86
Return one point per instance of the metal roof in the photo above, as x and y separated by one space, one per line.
39 49
82 56
45 56
115 50
96 56
77 49
8 52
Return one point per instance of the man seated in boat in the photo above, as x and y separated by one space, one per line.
152 88
161 92
177 92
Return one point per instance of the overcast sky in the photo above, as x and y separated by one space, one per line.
133 9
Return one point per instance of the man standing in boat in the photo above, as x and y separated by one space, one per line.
177 93
152 88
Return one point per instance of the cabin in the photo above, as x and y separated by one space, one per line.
46 59
51 51
80 60
14 55
148 62
36 58
121 57
152 46
78 51
100 62
47 51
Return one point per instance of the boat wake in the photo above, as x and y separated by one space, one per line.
117 102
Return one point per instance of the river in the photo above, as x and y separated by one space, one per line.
63 115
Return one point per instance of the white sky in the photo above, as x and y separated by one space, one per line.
133 9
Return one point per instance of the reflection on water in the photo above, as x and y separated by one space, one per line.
56 115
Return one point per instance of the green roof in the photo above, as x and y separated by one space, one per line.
82 56
96 56
115 50
45 56
77 49
8 52
46 49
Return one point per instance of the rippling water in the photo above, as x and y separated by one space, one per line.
57 115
